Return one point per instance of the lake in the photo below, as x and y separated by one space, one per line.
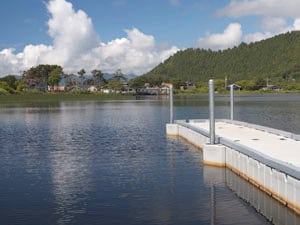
110 162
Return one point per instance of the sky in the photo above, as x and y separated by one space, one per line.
131 35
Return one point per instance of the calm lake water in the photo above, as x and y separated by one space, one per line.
110 162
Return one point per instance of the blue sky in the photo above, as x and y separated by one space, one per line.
132 35
178 24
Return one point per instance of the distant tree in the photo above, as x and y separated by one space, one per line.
260 83
81 75
98 77
219 85
71 80
178 83
119 76
21 86
37 77
89 82
115 85
4 85
11 80
277 58
55 76
247 85
138 82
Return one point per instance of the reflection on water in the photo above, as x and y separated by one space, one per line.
225 208
70 171
274 211
109 163
222 180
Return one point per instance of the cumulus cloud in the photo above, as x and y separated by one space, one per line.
273 23
8 59
296 25
229 38
273 8
76 45
257 36
136 50
72 32
272 27
273 15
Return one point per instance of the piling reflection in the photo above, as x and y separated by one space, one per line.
274 211
221 180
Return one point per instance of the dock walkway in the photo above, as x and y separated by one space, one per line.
266 157
279 145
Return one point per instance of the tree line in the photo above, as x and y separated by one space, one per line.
42 76
275 60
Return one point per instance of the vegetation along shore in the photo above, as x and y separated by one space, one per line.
271 65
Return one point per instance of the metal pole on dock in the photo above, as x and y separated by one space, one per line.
212 111
171 103
231 101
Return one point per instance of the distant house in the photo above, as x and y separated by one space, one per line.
106 90
165 88
92 88
128 90
162 89
271 87
187 85
36 84
235 87
60 87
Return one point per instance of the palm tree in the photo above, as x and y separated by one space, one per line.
81 76
98 77
119 76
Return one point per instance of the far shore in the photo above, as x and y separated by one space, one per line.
65 96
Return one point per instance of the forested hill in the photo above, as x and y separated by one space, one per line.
277 58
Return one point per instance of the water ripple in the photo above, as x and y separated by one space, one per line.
105 163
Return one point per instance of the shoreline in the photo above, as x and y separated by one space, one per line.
57 97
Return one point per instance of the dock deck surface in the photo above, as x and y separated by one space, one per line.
275 146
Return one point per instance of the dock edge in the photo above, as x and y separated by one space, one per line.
280 182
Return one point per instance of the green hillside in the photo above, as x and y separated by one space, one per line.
276 59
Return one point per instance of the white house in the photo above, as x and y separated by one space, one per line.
92 89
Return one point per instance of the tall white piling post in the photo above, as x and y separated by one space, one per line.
212 111
171 103
231 101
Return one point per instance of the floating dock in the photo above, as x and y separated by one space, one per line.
266 157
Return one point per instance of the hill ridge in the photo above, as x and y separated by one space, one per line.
276 58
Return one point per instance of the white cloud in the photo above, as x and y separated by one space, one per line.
229 38
273 8
296 25
257 36
76 45
273 15
8 59
72 32
272 27
175 2
273 23
137 51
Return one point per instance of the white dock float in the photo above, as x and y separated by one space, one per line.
266 157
